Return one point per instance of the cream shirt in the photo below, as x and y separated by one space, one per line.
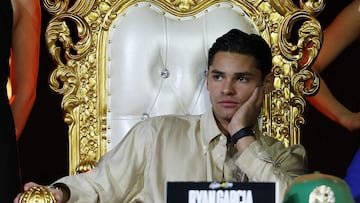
181 148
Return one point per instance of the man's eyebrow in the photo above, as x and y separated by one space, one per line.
238 74
242 74
217 72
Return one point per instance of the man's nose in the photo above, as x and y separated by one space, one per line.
228 88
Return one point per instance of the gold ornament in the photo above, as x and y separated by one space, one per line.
38 194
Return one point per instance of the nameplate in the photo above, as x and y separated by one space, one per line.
221 192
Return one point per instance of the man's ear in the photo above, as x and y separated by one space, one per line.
269 83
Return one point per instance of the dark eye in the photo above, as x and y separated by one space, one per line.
243 78
217 77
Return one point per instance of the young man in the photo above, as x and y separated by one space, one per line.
219 145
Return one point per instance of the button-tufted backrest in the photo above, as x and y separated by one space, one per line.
121 61
157 62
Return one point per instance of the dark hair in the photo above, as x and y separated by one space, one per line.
236 41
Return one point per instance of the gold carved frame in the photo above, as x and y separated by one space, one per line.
76 37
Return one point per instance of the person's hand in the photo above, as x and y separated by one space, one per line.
57 193
247 114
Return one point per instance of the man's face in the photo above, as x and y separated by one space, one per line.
231 80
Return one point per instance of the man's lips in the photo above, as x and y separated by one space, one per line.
228 103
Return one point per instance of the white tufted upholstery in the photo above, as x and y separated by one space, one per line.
157 62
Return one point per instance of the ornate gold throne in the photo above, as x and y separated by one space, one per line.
121 61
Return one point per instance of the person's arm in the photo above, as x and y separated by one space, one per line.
344 29
118 176
247 115
267 160
263 158
24 59
325 102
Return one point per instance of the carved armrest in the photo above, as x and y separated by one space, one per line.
38 194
